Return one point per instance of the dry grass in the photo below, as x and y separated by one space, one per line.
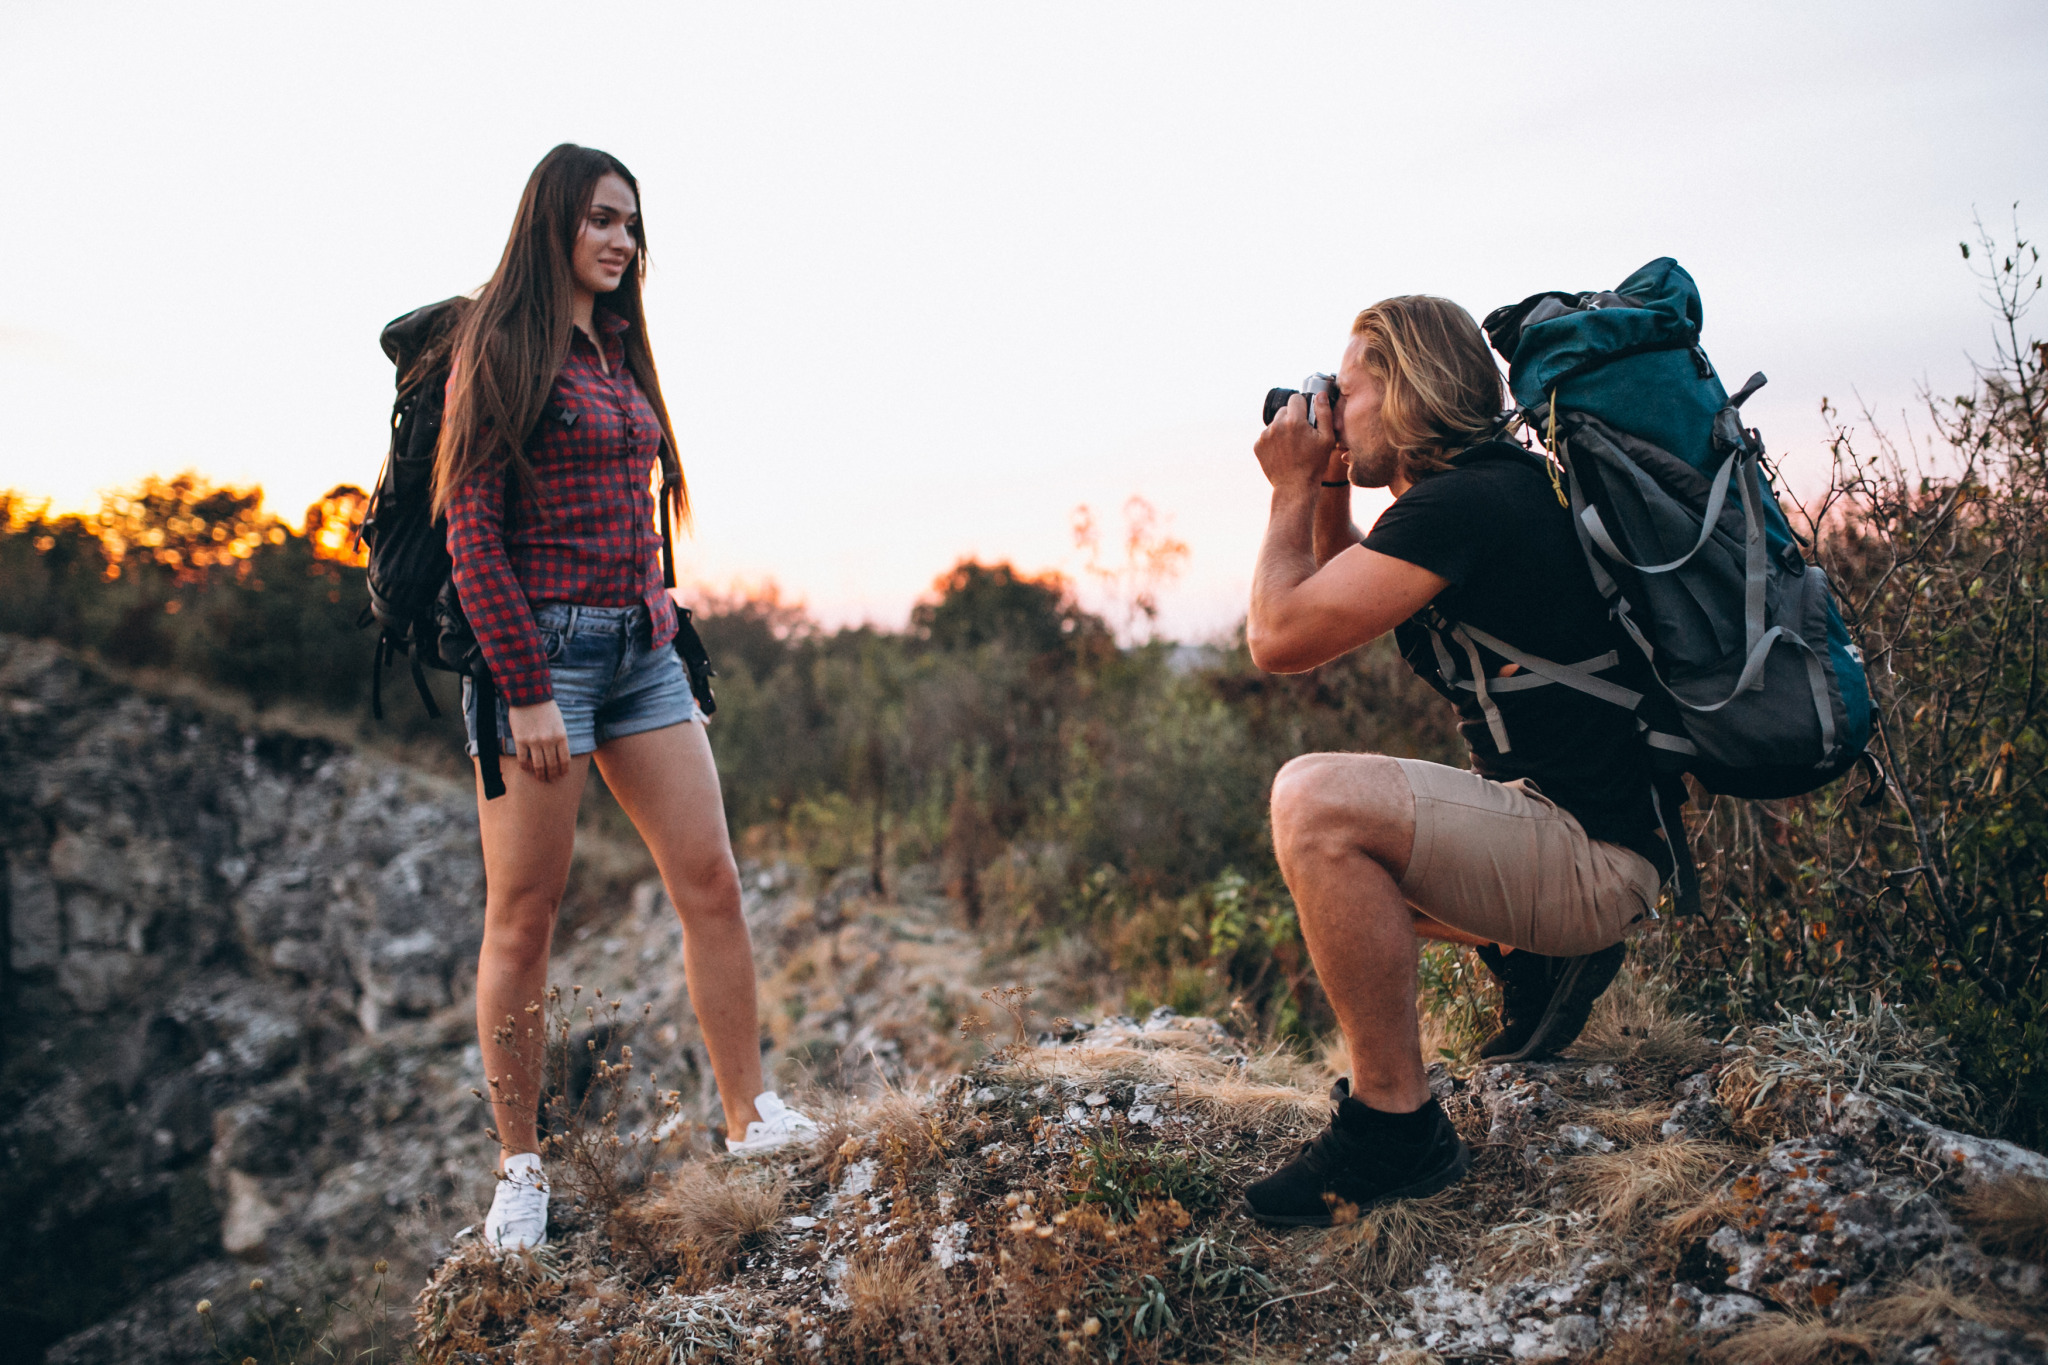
1910 1311
547 1342
476 1289
1796 1340
886 1295
1625 1190
717 1209
1701 1220
1643 1124
902 1129
2009 1217
1658 1190
1391 1245
1912 1308
1802 1065
1757 1113
1412 1355
1659 1343
1271 1093
1634 1021
1132 1229
1538 1240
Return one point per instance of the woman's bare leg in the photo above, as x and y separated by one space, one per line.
529 836
668 786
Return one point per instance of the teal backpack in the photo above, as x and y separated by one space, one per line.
1759 690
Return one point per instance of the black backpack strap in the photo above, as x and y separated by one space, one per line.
696 661
419 682
377 676
1582 676
671 475
689 644
668 547
1667 798
487 755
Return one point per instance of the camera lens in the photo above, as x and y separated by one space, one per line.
1276 399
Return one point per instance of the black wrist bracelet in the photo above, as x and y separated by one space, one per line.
1336 483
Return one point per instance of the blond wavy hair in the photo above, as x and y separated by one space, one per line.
1441 389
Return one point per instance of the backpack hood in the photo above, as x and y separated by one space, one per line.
406 338
1547 337
1563 345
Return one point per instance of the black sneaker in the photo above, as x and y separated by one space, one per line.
1545 1001
1362 1160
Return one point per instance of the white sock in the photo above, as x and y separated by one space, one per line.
517 1167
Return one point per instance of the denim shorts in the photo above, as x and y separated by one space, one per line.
609 680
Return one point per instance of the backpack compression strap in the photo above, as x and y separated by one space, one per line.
1744 465
1580 677
689 644
488 757
1540 672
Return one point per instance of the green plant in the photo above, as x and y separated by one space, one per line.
1121 1176
1141 1307
1218 1268
1460 994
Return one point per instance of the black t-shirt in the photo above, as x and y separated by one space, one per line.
1492 525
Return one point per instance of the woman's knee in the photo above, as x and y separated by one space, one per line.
520 926
707 886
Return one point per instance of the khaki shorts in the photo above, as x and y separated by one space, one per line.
1501 861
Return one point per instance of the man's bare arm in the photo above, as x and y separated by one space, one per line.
1335 531
1304 613
1301 619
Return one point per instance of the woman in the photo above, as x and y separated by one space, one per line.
554 424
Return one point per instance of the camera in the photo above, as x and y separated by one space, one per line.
1324 384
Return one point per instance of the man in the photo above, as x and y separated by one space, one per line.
1548 851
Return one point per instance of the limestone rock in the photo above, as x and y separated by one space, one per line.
1813 1221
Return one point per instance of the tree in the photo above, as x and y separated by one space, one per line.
992 604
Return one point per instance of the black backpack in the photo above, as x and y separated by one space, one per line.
413 601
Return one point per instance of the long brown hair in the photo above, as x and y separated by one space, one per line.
512 341
1442 391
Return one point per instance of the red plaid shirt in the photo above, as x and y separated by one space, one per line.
590 540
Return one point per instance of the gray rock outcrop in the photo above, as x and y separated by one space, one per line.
225 954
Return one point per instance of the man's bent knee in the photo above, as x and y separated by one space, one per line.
1344 803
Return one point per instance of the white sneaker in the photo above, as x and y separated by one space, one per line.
778 1126
519 1211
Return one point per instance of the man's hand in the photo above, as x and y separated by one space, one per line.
541 738
1308 608
1338 470
1292 452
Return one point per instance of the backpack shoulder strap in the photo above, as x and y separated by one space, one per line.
1582 676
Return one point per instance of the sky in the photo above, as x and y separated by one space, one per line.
927 277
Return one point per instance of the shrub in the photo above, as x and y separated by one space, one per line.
1930 887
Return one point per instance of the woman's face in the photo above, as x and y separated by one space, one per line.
609 238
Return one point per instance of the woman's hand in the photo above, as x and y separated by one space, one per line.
541 738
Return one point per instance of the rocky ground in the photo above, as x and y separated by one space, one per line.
1077 1198
239 1041
237 1047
